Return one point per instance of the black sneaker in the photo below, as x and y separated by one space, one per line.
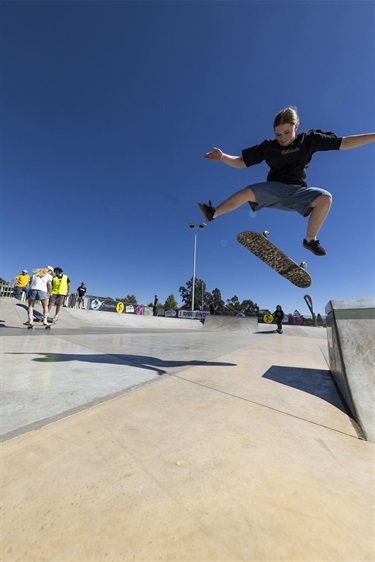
314 247
207 211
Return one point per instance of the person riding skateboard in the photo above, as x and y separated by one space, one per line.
279 317
288 157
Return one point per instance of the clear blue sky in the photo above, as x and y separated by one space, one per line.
107 109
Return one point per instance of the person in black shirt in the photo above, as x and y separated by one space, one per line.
80 295
155 306
279 316
288 157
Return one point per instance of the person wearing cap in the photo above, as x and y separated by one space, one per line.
60 289
23 281
40 290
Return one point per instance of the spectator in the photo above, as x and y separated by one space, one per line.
60 288
22 286
155 307
80 294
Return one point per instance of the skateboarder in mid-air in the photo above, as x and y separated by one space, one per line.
288 157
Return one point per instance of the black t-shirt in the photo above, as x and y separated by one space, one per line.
289 164
81 291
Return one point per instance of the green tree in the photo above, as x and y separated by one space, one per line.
186 294
233 305
217 301
249 307
170 303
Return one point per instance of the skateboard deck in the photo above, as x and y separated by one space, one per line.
260 246
38 324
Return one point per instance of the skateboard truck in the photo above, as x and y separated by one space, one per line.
303 264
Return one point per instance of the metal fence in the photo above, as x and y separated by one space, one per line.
7 290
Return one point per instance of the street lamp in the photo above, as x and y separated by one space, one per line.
195 228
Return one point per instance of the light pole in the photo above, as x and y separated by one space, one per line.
195 228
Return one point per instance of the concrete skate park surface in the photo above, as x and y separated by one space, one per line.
228 323
130 438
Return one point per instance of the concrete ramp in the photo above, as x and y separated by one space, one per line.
351 348
14 314
231 323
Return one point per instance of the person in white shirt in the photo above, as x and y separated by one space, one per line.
40 290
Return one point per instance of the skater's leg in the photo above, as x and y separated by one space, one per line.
243 196
320 209
30 310
45 311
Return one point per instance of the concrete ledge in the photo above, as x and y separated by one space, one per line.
351 349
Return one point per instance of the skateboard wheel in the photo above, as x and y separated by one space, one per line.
266 234
303 264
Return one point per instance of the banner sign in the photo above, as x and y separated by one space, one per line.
110 305
297 318
309 303
197 314
268 318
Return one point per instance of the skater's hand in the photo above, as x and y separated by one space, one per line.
215 154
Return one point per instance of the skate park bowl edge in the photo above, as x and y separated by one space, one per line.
351 350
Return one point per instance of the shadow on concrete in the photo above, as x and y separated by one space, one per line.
317 382
141 361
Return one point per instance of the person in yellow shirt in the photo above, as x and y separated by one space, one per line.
22 286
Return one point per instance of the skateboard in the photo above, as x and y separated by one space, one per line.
39 324
260 246
32 326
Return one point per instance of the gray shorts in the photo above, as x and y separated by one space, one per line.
57 299
276 195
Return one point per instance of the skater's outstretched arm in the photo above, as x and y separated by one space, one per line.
353 141
218 156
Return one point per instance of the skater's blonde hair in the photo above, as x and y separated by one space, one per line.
288 115
41 272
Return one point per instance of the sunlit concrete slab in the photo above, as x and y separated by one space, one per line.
46 377
50 374
243 452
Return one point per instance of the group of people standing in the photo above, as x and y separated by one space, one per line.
51 287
